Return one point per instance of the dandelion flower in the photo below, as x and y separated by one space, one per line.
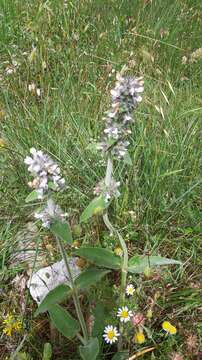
130 289
170 329
124 314
110 334
139 337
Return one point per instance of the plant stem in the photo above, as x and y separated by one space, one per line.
109 171
124 268
74 291
81 339
112 230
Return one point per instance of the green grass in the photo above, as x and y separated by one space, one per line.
77 47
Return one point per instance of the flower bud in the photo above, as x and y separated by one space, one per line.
148 272
77 230
149 314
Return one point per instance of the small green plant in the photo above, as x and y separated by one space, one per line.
47 178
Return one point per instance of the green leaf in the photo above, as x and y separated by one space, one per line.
23 356
62 230
53 297
90 350
123 355
51 185
89 277
32 196
99 256
138 264
95 207
63 321
127 159
47 352
100 314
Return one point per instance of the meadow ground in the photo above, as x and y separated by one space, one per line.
58 62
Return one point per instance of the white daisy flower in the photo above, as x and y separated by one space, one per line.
124 314
130 289
110 334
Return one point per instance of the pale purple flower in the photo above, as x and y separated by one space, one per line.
44 170
107 191
124 99
50 213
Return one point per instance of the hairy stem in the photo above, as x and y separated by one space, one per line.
109 171
124 269
74 292
113 230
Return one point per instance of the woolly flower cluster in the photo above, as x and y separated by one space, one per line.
107 191
124 99
46 176
44 170
51 213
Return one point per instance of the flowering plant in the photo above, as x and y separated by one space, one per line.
114 146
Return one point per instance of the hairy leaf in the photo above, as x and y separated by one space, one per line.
53 297
63 321
137 264
95 207
62 230
90 350
99 256
89 277
32 196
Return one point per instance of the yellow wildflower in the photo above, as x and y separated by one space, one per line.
170 329
139 337
11 325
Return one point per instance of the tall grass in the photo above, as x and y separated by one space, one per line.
77 46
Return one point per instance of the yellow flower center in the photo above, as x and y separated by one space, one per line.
111 334
124 314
